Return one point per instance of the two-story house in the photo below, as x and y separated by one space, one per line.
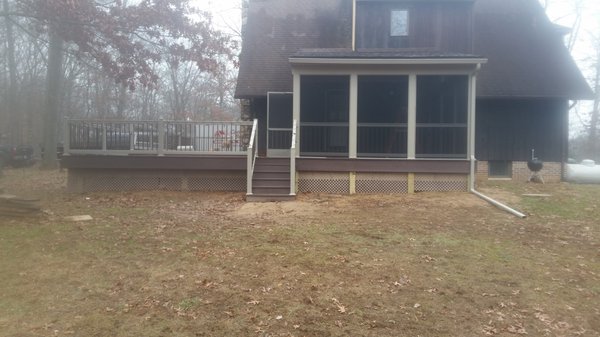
402 95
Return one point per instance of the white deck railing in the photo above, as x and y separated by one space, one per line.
293 155
156 137
252 153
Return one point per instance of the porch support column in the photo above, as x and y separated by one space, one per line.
353 25
412 117
353 117
471 126
296 109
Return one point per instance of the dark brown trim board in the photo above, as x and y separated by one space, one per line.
218 163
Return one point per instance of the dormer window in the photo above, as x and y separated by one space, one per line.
399 22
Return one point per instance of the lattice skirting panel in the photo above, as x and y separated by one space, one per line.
441 182
381 183
339 183
146 180
324 182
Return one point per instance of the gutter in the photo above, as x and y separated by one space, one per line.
488 199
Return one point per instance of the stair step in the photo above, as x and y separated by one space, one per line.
271 183
271 168
269 197
273 161
271 190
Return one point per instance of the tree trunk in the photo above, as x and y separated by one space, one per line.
53 94
177 109
12 113
122 102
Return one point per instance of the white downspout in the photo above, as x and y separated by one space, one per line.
353 25
473 100
488 199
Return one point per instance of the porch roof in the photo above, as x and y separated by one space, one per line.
379 57
345 53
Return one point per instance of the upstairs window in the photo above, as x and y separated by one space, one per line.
399 22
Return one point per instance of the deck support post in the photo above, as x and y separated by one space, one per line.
411 183
352 182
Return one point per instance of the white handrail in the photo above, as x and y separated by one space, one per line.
251 156
293 159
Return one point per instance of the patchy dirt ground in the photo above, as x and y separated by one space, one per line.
210 264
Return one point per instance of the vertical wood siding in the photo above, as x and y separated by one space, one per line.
435 26
509 129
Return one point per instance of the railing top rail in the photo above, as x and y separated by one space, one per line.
155 121
253 134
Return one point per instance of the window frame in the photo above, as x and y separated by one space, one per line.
393 32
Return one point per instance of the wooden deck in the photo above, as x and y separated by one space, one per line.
223 156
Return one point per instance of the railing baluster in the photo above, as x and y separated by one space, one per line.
128 137
161 138
103 130
131 136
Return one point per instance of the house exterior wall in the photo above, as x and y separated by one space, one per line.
508 129
432 25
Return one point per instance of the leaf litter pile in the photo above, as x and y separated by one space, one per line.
210 264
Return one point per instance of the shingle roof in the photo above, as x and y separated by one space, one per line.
525 52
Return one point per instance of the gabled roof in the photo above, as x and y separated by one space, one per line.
525 51
276 29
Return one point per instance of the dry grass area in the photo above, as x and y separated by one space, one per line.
209 264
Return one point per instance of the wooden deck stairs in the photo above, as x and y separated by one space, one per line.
271 180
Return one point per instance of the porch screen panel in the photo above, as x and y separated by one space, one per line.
324 114
280 120
442 112
382 116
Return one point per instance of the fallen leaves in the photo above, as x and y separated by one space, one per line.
340 307
517 329
489 329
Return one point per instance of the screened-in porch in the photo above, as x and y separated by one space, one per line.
382 116
384 108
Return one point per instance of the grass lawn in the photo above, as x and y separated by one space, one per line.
209 264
